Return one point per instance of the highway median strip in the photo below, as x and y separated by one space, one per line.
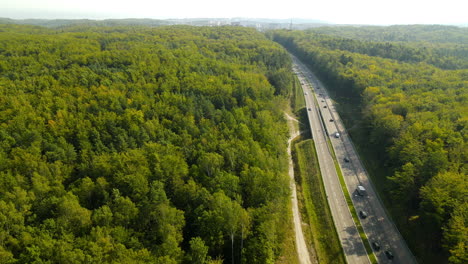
349 201
347 196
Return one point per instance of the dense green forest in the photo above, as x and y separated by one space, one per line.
412 116
142 145
445 47
400 33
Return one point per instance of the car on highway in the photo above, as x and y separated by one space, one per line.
331 120
323 101
362 214
376 246
361 191
324 106
346 159
389 254
306 93
310 109
337 135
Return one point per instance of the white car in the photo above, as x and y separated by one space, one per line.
306 93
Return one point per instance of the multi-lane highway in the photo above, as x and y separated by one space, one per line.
351 241
325 122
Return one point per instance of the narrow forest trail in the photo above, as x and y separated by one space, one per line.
301 246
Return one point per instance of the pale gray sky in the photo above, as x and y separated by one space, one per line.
336 11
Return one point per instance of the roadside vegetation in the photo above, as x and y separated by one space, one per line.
298 101
288 252
320 229
403 93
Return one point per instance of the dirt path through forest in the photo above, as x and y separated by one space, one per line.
301 246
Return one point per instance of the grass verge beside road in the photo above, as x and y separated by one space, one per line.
298 100
320 230
288 253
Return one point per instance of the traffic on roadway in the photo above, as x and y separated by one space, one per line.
348 234
386 242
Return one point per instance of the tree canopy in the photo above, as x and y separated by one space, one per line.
142 145
414 106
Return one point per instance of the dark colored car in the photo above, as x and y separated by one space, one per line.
376 246
346 159
362 214
331 120
324 106
310 109
389 254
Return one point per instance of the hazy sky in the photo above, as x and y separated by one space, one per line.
335 11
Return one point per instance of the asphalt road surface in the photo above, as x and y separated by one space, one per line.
378 226
351 242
